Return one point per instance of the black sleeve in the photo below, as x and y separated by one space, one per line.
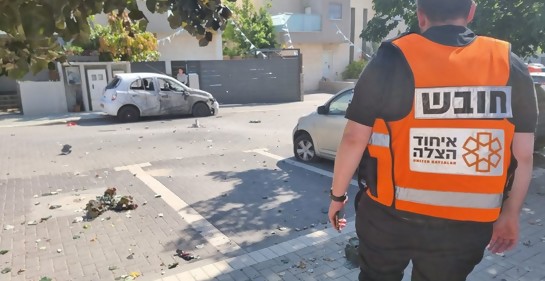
524 102
375 95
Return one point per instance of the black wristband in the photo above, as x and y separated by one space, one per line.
337 198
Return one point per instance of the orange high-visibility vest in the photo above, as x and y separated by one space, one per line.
449 157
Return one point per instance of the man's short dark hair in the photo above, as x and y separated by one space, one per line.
441 10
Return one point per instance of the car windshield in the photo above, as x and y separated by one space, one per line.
340 104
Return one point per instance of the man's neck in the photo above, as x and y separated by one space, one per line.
457 22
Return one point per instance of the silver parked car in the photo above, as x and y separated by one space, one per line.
132 95
318 134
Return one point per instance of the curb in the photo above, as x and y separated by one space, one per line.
15 123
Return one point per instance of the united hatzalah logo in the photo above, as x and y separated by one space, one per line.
483 152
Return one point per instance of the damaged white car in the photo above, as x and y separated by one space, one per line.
132 95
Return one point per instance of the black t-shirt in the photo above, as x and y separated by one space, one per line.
385 89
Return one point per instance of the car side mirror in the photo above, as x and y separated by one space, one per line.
323 110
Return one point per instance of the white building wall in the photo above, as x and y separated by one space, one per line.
186 47
42 98
319 57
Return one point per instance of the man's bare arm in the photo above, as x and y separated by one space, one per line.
506 228
349 153
523 151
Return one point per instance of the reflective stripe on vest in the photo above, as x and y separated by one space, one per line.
379 139
450 199
449 156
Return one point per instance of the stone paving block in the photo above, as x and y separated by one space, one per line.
211 270
257 256
270 275
353 275
171 278
338 272
199 274
266 264
268 253
239 275
185 276
251 272
288 276
225 277
235 263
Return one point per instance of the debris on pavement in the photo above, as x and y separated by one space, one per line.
527 243
71 124
351 251
196 124
20 271
46 279
112 267
9 227
66 149
3 252
51 193
301 265
535 222
59 251
53 207
45 218
109 201
200 246
157 195
86 226
173 265
6 270
281 228
75 237
32 223
255 121
187 256
78 220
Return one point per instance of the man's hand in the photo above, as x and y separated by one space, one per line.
505 234
335 207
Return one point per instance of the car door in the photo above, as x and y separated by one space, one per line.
143 94
173 96
333 122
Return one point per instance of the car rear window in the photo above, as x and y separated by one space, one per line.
113 84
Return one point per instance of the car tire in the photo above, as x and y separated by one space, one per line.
201 110
303 148
128 113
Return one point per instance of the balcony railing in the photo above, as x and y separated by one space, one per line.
297 22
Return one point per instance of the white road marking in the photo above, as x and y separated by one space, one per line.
213 235
219 268
264 152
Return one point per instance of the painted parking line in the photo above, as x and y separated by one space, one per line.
264 152
219 268
209 232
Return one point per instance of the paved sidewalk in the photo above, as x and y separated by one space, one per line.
19 120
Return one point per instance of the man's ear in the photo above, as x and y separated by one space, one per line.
472 10
422 20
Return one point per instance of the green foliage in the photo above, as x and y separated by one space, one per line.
124 40
257 25
354 69
521 22
32 26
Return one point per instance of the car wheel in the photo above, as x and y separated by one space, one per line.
201 110
303 149
128 113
